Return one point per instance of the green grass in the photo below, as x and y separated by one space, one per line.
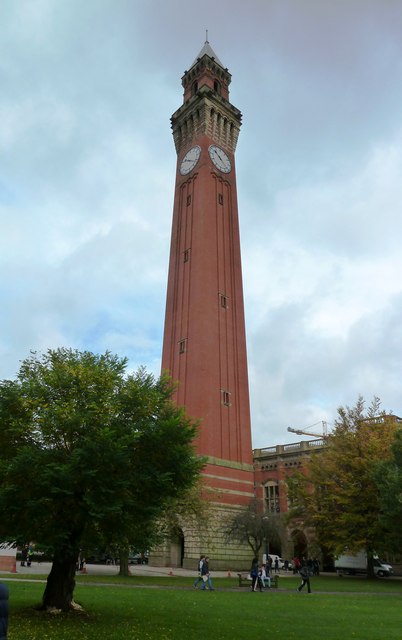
339 609
328 583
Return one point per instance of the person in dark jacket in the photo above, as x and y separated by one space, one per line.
254 574
199 577
3 611
24 556
305 576
206 576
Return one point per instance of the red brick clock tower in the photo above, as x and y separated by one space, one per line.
204 346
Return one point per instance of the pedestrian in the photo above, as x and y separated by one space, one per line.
276 564
24 556
199 577
305 576
206 576
3 611
264 577
268 566
254 573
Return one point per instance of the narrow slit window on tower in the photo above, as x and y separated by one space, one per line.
220 198
186 255
188 199
224 301
183 345
225 397
217 87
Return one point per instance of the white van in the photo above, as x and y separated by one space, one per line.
357 563
273 557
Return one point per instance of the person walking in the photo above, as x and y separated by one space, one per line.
24 556
296 565
305 576
199 577
316 567
254 574
3 611
206 576
268 566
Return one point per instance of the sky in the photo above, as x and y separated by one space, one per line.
87 171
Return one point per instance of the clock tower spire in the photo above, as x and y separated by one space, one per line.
204 345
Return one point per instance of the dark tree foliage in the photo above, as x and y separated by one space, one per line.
88 454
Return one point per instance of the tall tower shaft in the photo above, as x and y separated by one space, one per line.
204 345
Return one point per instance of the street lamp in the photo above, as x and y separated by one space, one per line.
265 518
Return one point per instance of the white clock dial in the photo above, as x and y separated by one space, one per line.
190 160
219 158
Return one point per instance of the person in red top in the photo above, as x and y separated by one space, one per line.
296 565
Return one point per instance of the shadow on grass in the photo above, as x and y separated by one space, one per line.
120 613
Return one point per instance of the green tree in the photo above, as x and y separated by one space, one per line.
388 478
337 495
88 453
254 527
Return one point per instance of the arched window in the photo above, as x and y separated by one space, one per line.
194 88
271 497
217 86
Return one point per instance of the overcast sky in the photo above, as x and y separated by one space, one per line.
87 169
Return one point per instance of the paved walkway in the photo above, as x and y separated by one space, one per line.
136 570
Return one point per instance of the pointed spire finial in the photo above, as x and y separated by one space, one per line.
206 50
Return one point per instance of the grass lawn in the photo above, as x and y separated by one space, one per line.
117 609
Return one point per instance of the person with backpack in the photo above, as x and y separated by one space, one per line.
305 576
199 577
254 574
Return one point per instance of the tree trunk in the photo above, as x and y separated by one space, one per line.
61 581
123 554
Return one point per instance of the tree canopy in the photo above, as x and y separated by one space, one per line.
254 527
388 478
88 453
338 495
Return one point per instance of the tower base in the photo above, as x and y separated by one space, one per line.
196 539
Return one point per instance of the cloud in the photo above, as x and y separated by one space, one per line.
323 291
87 180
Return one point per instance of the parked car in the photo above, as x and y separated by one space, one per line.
138 558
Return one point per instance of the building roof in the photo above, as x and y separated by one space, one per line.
207 50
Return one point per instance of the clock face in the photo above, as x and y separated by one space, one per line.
219 158
190 160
